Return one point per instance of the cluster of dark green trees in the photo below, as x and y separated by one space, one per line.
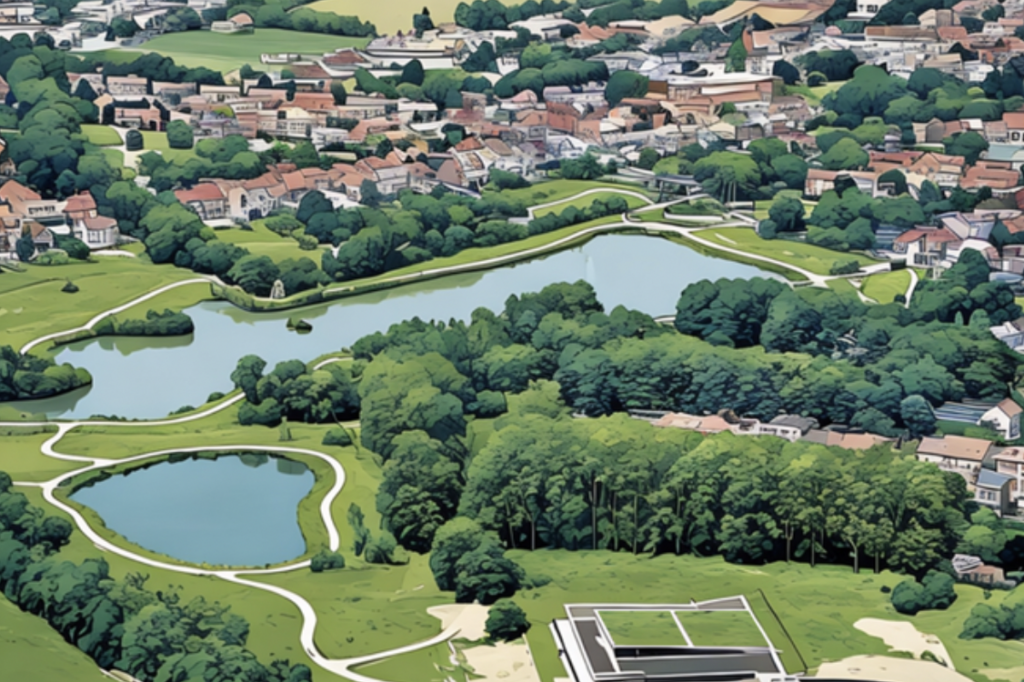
443 88
294 392
120 623
768 167
166 323
227 157
426 226
30 376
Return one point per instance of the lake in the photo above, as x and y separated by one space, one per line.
149 378
235 510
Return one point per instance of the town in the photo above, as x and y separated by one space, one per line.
563 340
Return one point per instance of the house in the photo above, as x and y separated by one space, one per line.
206 199
1010 462
819 181
925 246
141 114
96 231
959 454
42 236
127 86
389 176
28 205
1011 333
1004 418
972 569
239 23
995 490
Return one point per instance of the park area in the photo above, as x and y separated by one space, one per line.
805 256
225 53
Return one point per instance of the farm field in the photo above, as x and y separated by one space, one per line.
226 53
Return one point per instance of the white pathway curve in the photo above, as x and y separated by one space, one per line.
113 311
586 193
238 576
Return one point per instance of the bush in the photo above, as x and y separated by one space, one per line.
283 224
326 561
267 413
133 141
337 436
52 258
70 288
844 267
385 550
75 248
488 404
935 591
215 396
506 621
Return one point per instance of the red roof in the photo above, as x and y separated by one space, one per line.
205 191
79 203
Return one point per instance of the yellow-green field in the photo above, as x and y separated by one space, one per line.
884 286
262 242
100 135
31 650
226 53
807 256
583 203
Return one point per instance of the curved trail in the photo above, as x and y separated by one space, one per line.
309 618
113 311
531 211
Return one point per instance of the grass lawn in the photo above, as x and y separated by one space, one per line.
816 94
554 190
884 286
156 141
583 203
642 627
432 664
721 628
817 606
21 458
31 650
807 256
100 135
32 305
226 53
262 242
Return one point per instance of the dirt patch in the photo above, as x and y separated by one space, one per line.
469 618
502 662
885 669
903 636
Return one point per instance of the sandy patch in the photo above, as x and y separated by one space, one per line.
885 669
903 636
1003 673
504 662
469 618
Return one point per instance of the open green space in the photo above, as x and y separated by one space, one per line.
885 286
100 135
31 650
432 664
21 458
642 627
226 53
816 606
721 628
807 256
260 241
156 141
32 304
583 203
555 190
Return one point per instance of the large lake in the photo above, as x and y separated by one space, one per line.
231 511
149 378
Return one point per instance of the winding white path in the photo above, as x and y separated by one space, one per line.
239 576
531 211
113 311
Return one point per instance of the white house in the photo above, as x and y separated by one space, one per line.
1004 418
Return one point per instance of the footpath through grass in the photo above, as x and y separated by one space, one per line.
806 256
226 53
555 190
884 286
583 203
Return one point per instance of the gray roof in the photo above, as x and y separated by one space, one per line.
992 479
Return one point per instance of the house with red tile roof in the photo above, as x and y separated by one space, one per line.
96 231
206 199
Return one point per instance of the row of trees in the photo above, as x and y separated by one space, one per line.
288 14
120 623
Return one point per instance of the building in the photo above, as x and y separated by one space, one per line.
960 454
96 231
1004 418
240 23
995 490
206 199
1010 333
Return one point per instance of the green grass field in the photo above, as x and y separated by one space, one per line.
31 650
642 627
226 53
155 141
721 628
32 304
554 190
432 664
583 203
884 286
101 136
262 242
807 256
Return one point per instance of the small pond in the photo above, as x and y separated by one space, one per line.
235 510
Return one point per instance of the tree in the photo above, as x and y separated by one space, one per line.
369 195
935 591
506 621
625 85
648 157
412 72
846 154
326 561
736 57
969 145
247 375
133 140
456 538
788 214
338 92
179 135
789 74
25 247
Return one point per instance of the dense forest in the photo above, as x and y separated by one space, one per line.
121 623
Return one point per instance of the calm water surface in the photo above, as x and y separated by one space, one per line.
232 511
149 378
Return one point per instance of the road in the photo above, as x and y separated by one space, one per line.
340 667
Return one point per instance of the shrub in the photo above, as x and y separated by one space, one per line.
385 550
844 267
935 591
506 621
215 396
52 258
326 561
267 413
133 141
337 436
70 288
